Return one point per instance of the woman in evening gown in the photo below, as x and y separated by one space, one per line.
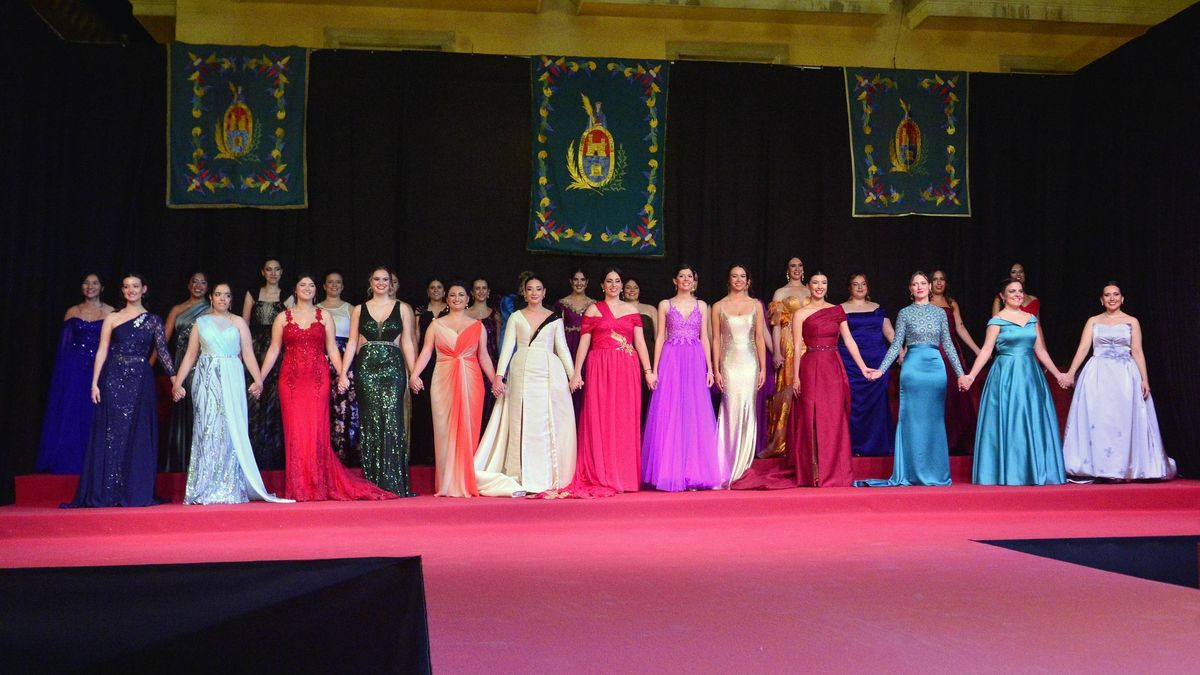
679 444
343 405
68 419
481 311
381 349
1016 437
260 313
529 443
818 439
611 346
222 468
922 456
420 419
787 300
572 308
739 364
1112 429
122 455
456 393
960 405
312 471
871 426
178 445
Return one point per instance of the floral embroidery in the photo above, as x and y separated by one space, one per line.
622 344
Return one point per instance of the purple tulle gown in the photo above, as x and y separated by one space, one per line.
679 447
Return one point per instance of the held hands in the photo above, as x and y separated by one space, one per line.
343 383
416 384
499 388
652 380
965 382
872 374
1064 380
778 359
255 389
177 393
576 383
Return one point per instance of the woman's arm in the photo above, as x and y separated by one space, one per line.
248 357
101 355
408 340
985 352
797 339
509 346
660 336
706 341
1138 357
639 341
485 359
585 342
715 347
760 347
415 382
1043 356
185 366
961 330
276 342
1081 352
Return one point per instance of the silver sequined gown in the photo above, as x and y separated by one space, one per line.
222 469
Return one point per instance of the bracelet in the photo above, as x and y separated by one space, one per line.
646 370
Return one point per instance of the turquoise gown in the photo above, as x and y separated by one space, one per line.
922 456
222 469
1016 437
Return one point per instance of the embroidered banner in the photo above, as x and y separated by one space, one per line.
235 126
599 127
908 142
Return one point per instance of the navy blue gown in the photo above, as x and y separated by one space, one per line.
68 420
871 425
122 453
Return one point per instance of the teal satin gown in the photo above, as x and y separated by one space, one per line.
922 455
1016 437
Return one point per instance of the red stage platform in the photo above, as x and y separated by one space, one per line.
833 579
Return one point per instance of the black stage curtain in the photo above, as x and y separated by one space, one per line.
422 161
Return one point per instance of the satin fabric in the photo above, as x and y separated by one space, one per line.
872 429
737 421
1016 437
609 424
529 444
222 468
1112 432
922 456
456 399
780 405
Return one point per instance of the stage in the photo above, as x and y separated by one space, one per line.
809 579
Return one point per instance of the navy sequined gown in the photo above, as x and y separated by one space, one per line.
122 454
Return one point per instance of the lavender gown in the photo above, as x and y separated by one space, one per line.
1112 432
679 447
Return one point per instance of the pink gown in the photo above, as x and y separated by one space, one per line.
456 397
609 427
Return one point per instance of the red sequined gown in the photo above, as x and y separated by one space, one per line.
313 472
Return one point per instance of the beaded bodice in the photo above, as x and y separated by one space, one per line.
922 324
84 335
304 351
681 329
610 332
133 340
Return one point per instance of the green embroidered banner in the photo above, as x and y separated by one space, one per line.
235 126
908 142
599 127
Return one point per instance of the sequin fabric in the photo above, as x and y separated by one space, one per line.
382 379
215 476
122 454
922 324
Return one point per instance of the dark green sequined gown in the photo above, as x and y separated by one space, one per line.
381 379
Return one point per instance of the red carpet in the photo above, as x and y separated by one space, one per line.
828 580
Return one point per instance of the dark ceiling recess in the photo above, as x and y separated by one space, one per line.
91 20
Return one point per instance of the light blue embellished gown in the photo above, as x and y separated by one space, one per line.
922 456
222 468
1016 437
